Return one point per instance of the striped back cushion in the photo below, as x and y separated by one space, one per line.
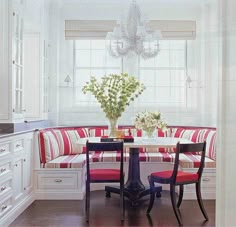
48 145
97 131
67 139
199 135
132 131
60 141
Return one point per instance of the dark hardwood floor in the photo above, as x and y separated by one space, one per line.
105 212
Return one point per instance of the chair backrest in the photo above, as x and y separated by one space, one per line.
105 146
199 148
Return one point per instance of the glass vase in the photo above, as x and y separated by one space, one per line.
112 127
150 133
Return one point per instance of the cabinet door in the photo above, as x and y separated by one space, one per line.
17 63
28 166
18 179
32 74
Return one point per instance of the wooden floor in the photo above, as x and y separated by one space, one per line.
105 212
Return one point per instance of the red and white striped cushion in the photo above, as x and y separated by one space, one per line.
58 142
210 136
199 135
132 131
78 161
57 147
49 147
66 161
97 131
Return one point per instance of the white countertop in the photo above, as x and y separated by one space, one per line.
168 142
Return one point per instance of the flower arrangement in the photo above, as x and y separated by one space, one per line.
114 92
149 121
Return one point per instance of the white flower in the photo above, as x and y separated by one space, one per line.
149 121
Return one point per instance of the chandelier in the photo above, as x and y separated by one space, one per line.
131 36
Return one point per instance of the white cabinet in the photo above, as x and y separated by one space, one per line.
11 61
17 180
17 61
16 172
23 60
28 166
22 166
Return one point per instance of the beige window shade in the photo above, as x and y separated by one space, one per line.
174 29
82 29
97 29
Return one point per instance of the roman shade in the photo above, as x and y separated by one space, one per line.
170 29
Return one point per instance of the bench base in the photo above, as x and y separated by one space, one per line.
132 196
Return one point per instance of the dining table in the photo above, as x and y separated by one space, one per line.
134 189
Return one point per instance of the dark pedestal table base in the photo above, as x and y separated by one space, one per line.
134 189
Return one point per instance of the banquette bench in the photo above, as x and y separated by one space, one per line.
60 167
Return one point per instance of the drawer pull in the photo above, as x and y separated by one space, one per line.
2 150
3 188
4 207
58 180
206 179
3 170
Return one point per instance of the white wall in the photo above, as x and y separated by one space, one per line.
226 156
70 115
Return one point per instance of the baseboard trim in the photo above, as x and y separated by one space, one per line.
55 195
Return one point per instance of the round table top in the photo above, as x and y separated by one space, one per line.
168 142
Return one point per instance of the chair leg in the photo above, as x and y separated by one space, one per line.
152 194
181 192
87 201
199 199
122 204
173 201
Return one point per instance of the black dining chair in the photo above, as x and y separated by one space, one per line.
180 178
104 175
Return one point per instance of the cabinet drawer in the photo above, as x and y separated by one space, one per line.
208 181
18 145
5 187
4 149
5 169
53 181
5 205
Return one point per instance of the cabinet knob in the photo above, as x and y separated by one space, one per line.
24 159
18 145
3 188
58 180
2 150
16 165
13 62
206 179
4 207
3 170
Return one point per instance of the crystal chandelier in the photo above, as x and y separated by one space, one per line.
131 36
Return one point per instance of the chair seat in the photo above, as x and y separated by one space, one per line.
181 176
105 174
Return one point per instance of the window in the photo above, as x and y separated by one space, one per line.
164 76
91 59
